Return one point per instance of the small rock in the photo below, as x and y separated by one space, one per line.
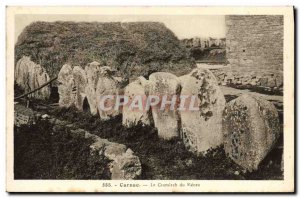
129 152
236 172
98 146
113 150
77 133
45 116
126 167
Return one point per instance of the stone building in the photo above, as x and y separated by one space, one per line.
254 42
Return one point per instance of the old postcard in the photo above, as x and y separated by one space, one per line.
150 99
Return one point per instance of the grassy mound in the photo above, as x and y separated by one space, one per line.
134 48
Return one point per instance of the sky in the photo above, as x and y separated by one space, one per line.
184 26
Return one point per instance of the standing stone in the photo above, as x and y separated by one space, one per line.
279 80
80 84
202 129
41 78
107 86
66 86
271 81
251 128
133 116
165 120
30 76
21 71
92 74
264 82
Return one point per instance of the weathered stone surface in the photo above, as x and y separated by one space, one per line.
251 128
30 76
271 81
92 75
80 84
77 133
254 42
23 116
98 147
202 129
107 86
133 116
126 167
114 150
41 78
66 86
165 120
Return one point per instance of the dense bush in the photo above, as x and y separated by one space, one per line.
136 48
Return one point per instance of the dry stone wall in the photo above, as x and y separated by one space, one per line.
254 41
254 50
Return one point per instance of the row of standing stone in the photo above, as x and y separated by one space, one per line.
247 126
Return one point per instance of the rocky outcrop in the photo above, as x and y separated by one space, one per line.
251 128
133 115
166 119
29 76
202 128
66 86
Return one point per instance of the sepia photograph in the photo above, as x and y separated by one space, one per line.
156 99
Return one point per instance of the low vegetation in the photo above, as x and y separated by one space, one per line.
134 48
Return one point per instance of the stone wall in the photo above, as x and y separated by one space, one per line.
254 42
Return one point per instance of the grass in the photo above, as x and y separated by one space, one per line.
163 159
41 153
134 48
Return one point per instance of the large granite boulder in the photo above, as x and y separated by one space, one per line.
92 75
251 129
201 115
166 119
80 81
132 115
66 86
